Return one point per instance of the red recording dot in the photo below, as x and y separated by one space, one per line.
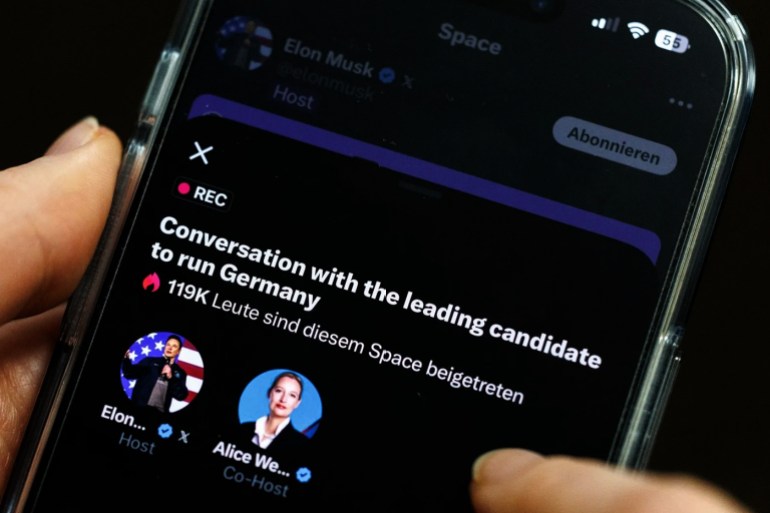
183 188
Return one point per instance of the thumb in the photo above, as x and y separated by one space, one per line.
53 210
517 480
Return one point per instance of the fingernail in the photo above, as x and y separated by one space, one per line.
76 136
503 464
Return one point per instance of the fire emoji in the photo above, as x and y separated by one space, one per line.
151 282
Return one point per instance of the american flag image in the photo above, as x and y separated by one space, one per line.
241 28
189 359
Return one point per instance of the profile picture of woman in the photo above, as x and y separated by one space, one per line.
279 409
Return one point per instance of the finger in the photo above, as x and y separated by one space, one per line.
53 210
25 348
519 481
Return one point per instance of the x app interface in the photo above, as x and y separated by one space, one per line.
377 241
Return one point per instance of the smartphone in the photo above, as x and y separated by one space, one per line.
356 245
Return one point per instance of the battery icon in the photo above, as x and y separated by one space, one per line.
672 41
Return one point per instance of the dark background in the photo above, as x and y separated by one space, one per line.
61 61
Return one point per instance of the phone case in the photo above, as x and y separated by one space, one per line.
656 373
656 377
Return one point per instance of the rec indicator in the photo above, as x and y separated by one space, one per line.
201 193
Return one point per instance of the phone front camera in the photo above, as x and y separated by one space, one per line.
535 10
546 8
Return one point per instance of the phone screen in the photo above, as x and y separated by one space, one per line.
374 241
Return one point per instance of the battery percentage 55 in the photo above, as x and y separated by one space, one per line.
672 41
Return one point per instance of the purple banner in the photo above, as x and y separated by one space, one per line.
644 240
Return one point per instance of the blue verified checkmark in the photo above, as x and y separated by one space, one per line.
303 474
165 430
387 75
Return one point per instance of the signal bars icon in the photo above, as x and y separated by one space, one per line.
610 24
636 28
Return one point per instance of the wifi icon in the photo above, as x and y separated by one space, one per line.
638 29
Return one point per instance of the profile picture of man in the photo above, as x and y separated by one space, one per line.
280 410
244 42
159 379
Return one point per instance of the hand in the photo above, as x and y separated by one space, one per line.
513 480
52 211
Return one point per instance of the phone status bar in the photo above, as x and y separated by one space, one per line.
664 38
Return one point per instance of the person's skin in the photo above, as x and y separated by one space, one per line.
519 481
171 348
284 398
170 352
53 210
